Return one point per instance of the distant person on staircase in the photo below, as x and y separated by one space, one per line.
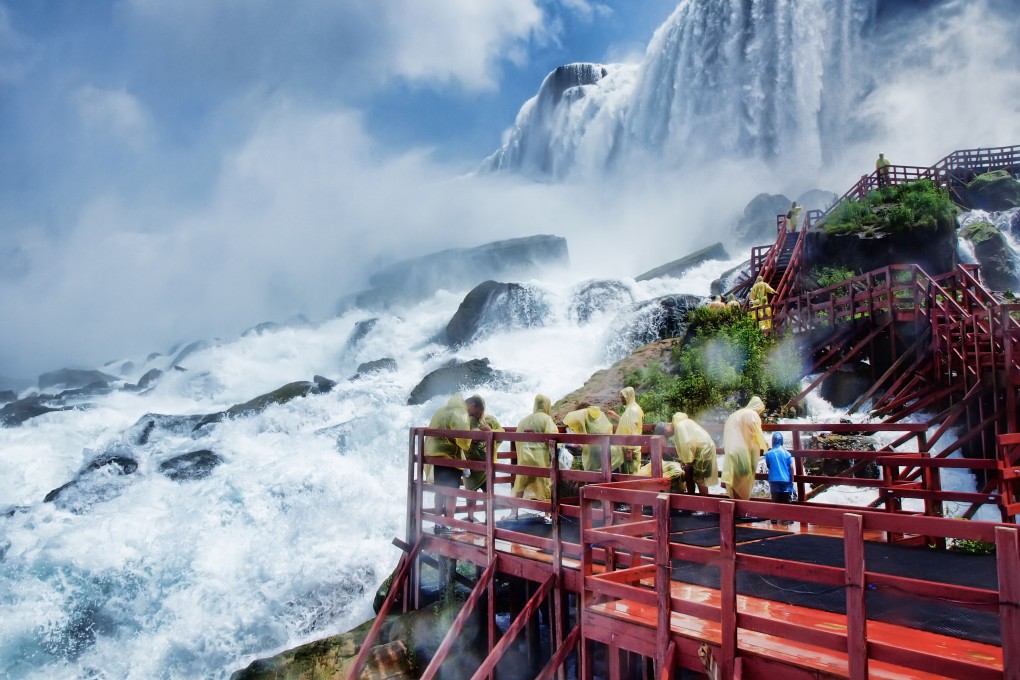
743 444
452 416
535 454
733 301
793 217
483 422
696 449
717 303
631 421
759 299
780 466
882 168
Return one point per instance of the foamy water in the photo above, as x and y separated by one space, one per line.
287 540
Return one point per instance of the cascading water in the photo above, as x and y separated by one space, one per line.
754 78
135 571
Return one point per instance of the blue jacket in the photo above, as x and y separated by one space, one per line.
778 460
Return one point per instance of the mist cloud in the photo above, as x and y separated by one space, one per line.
225 175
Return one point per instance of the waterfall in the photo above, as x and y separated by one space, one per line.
770 79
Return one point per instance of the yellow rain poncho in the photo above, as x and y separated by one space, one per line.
537 455
476 452
631 421
793 216
592 420
743 444
759 301
696 448
717 303
452 416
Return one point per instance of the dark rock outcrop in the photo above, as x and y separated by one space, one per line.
463 376
995 190
17 412
678 268
149 378
933 249
456 269
281 395
7 396
190 466
324 384
758 223
492 306
102 479
361 330
999 263
644 322
71 378
595 297
846 384
387 364
150 426
190 349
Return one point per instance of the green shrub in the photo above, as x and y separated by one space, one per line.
904 207
723 356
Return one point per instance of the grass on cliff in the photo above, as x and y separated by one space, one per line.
723 357
892 209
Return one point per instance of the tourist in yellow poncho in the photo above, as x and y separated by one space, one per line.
882 169
629 422
717 303
483 422
592 420
696 448
759 298
452 416
743 444
533 453
793 216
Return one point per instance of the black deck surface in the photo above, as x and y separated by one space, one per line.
883 603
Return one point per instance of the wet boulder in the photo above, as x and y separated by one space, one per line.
386 364
846 384
999 264
190 349
492 306
323 384
149 378
101 479
360 332
459 377
281 395
595 297
458 269
678 268
190 466
152 426
644 322
757 225
992 191
7 396
71 378
17 412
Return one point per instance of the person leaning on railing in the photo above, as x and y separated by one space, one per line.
629 423
882 169
535 454
482 422
452 416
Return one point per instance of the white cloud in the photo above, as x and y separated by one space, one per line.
115 113
361 43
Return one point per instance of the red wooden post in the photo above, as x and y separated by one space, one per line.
856 611
656 455
1007 554
727 589
663 569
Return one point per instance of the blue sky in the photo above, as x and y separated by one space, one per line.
143 95
178 169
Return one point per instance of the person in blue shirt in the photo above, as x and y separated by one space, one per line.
780 466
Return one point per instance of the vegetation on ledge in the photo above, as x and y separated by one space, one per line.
918 205
723 357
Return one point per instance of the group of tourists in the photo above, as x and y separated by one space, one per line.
743 445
